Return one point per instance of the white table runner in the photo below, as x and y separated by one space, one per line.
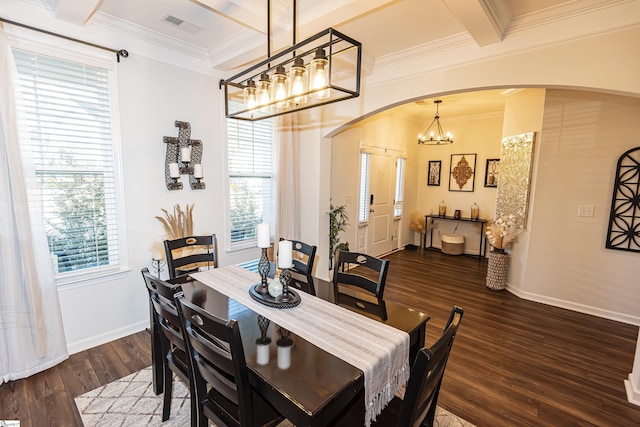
378 350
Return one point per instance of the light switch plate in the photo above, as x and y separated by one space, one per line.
585 210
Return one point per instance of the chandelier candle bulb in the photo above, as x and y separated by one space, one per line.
185 154
285 254
264 235
318 78
264 91
279 87
174 170
298 81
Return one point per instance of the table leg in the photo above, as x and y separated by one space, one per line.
481 241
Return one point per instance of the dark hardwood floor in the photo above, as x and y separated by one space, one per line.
514 362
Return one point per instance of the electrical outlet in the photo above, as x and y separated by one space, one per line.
585 210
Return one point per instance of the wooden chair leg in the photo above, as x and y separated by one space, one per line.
168 391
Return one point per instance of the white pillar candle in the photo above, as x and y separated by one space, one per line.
284 357
264 235
285 257
174 170
185 154
262 355
197 171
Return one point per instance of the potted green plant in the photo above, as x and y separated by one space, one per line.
338 220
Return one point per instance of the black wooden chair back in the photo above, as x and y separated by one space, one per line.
418 408
421 397
186 254
220 373
371 281
168 329
304 256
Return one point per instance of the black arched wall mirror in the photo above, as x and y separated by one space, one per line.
624 219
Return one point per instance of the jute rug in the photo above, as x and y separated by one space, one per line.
130 401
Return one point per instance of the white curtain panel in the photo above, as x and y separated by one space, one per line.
287 209
31 332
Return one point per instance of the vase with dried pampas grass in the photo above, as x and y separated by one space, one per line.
177 224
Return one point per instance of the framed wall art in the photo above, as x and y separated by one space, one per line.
516 166
492 173
463 172
433 174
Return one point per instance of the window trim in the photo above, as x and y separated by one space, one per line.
244 245
67 51
400 185
363 209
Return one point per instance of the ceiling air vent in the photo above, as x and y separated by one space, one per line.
179 23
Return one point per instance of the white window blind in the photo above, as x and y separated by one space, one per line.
250 160
67 120
399 199
365 179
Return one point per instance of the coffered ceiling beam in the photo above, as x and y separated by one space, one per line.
485 20
74 11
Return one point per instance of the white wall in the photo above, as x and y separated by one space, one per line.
153 95
390 131
583 135
523 113
559 65
480 135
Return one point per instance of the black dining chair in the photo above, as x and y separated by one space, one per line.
220 374
421 396
348 284
303 256
168 328
187 254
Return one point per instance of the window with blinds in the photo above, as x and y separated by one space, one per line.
66 120
399 199
250 160
365 179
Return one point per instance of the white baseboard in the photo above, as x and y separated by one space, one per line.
633 391
94 341
580 308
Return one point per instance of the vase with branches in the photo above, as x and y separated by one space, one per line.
176 224
338 221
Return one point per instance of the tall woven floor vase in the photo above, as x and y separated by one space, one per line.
497 270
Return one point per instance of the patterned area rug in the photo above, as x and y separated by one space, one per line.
130 401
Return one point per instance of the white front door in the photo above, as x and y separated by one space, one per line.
382 192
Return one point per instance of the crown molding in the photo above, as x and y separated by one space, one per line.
146 35
566 23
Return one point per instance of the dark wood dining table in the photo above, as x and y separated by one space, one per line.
318 389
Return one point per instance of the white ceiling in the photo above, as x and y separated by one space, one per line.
231 34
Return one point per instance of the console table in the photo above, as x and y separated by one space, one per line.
480 222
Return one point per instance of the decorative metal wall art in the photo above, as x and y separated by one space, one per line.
183 157
463 172
492 173
624 219
516 161
433 177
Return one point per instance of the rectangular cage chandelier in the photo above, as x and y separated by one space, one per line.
320 70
